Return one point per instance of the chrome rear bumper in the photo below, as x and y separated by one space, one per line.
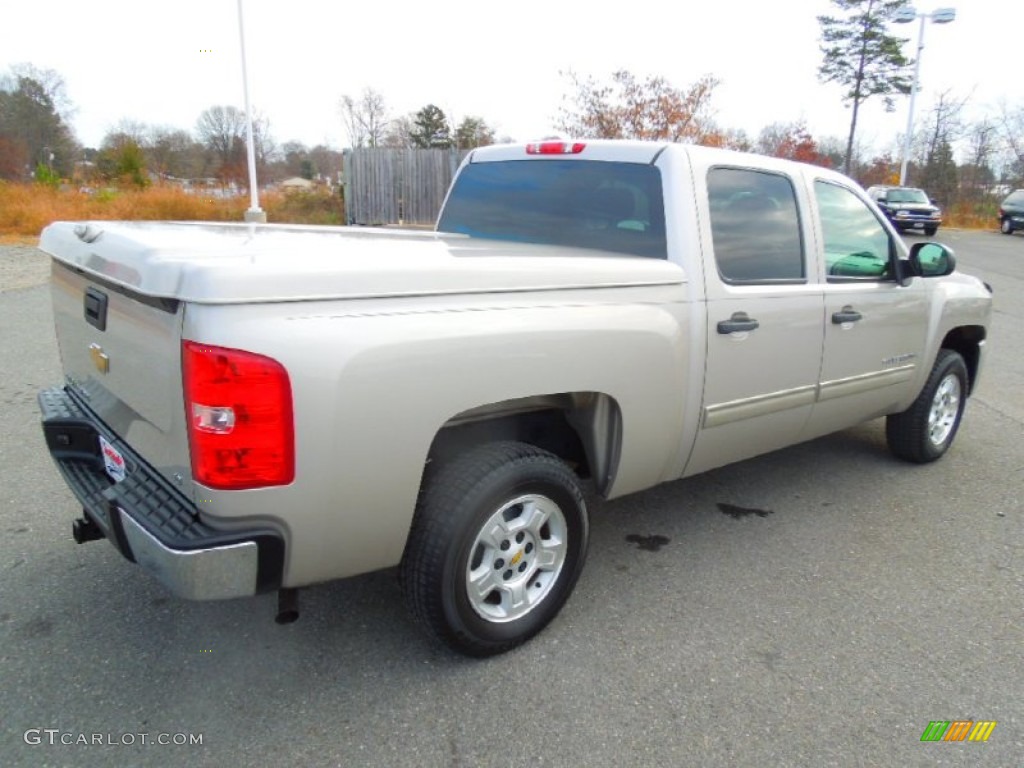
148 520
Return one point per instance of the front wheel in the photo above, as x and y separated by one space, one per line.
1006 226
930 231
496 546
924 431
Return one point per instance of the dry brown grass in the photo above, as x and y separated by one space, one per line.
26 208
18 240
972 216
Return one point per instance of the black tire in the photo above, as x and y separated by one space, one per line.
494 488
1006 226
924 431
930 231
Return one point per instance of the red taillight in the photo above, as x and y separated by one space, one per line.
555 148
238 406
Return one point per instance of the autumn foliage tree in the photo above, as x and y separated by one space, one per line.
630 108
882 169
792 141
732 138
13 157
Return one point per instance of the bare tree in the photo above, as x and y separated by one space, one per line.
628 108
135 130
222 130
264 145
366 119
1011 129
174 152
219 127
976 173
943 125
399 134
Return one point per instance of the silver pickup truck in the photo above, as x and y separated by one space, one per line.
249 408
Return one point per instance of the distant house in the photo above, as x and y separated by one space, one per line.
297 184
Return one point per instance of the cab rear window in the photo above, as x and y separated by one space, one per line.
608 206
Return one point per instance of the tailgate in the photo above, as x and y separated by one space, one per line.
121 353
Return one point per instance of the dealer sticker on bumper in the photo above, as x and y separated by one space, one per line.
113 461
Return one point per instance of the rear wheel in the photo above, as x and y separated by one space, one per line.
924 431
1006 226
496 546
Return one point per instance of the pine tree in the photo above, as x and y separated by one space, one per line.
862 57
431 129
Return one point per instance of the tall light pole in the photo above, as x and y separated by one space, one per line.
255 214
905 16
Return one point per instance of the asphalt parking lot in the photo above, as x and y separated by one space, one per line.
864 600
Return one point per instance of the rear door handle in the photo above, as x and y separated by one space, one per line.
738 323
846 315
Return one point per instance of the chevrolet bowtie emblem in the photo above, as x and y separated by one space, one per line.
99 358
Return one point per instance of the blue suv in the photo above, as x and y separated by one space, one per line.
907 208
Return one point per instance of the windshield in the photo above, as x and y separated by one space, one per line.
907 196
587 204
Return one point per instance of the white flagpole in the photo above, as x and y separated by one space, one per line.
255 214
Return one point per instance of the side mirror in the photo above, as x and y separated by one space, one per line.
930 260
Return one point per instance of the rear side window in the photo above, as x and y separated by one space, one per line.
583 203
755 226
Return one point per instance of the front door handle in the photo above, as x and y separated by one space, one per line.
738 323
846 315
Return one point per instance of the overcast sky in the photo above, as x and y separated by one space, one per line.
163 63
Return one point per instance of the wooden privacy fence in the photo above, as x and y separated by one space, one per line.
397 186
